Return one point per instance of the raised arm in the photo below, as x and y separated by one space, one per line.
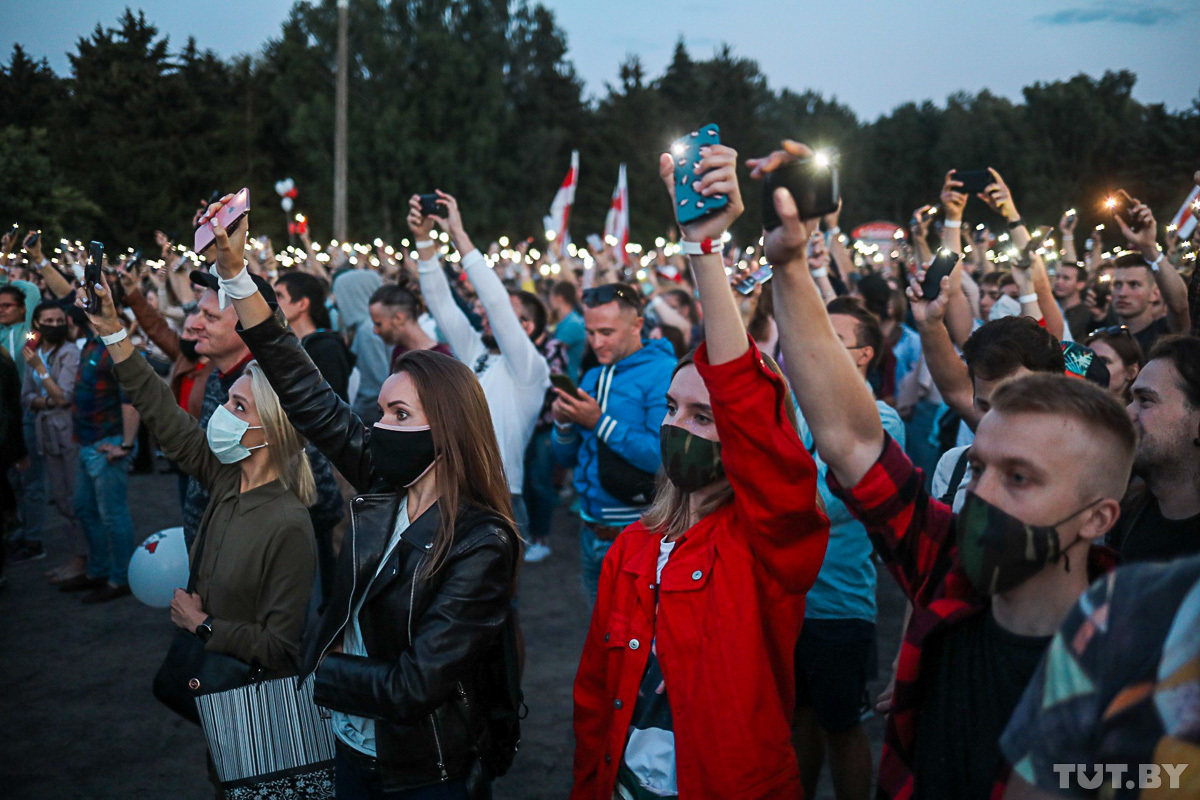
947 369
463 339
834 398
1174 290
151 321
1066 231
55 282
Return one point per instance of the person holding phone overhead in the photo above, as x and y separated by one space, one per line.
414 651
685 686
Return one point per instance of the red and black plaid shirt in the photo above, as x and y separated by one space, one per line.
914 536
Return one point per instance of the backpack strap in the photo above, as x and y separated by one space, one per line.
956 477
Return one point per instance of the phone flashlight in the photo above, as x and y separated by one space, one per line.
821 159
1110 202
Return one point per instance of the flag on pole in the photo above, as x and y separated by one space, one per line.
1185 220
560 209
616 224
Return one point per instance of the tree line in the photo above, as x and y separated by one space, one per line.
479 98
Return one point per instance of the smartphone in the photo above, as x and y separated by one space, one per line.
230 216
564 384
432 206
760 275
1120 204
33 340
690 205
973 181
595 243
91 275
1070 215
812 182
943 263
16 228
34 238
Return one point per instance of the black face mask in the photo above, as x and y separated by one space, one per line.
53 334
401 455
188 348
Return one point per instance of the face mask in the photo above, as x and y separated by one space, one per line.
188 348
53 334
401 455
225 432
691 462
1000 552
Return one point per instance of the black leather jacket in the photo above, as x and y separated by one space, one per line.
426 636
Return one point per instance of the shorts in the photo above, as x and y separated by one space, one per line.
835 659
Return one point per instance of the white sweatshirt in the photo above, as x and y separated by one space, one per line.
515 380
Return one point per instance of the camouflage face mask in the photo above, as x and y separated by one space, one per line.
691 462
1000 552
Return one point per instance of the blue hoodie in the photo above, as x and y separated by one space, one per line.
633 398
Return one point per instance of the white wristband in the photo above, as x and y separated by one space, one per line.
834 231
419 243
820 272
1156 263
1027 298
239 287
113 338
952 223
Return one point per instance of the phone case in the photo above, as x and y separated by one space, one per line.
814 188
690 205
229 216
760 275
974 181
943 265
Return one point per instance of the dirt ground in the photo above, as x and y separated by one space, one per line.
80 722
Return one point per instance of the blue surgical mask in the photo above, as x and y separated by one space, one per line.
225 432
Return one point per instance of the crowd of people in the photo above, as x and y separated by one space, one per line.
373 442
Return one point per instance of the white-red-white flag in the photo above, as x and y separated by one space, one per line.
1185 220
560 209
616 224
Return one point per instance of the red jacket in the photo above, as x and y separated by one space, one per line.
730 608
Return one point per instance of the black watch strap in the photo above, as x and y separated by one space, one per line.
204 630
1016 223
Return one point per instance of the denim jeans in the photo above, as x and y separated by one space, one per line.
354 781
591 558
31 486
541 498
102 507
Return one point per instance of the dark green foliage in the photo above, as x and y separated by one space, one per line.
478 97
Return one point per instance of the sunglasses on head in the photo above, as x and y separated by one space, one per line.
1111 330
600 295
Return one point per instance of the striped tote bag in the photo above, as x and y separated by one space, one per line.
268 740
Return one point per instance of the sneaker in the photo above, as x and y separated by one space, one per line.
26 552
536 552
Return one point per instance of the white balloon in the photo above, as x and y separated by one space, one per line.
286 203
159 566
281 188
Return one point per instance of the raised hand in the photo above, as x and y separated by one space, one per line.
953 200
105 322
786 243
927 312
420 225
231 250
1145 237
718 168
34 249
999 197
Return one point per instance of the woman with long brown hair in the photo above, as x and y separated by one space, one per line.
413 651
686 683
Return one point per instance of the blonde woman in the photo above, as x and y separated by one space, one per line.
256 551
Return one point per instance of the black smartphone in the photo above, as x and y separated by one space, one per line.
942 265
812 182
432 206
91 275
564 384
973 181
761 275
1120 204
34 238
16 228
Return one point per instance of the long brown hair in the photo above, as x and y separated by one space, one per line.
668 514
470 470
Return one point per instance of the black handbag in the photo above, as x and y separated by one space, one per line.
189 670
621 479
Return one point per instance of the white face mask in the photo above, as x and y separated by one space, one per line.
225 432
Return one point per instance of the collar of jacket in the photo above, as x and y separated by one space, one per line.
381 510
688 568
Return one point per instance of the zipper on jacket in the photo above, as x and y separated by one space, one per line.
437 740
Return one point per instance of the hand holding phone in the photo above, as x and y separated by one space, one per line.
229 217
432 206
941 266
759 276
690 205
91 276
1120 204
812 182
974 181
564 384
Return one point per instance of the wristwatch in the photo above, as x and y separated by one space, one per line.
204 630
1016 223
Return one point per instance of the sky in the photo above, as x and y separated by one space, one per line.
872 55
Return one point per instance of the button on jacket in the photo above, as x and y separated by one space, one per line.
729 610
258 556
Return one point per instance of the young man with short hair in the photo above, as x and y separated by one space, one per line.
1136 276
1070 280
395 313
609 431
1162 521
988 587
301 298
